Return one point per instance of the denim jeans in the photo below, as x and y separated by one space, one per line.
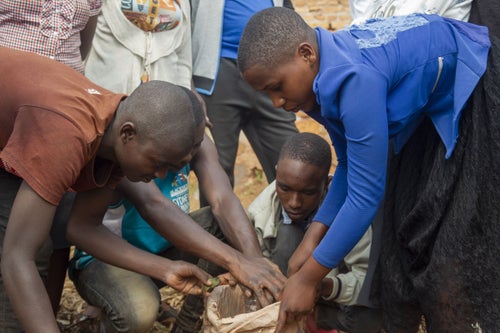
9 185
130 301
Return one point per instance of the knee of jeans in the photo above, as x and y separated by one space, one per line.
133 318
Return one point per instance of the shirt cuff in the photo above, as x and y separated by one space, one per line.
336 287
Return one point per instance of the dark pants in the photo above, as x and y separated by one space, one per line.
235 106
352 319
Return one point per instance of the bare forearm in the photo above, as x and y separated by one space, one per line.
107 247
27 230
176 226
186 234
24 286
312 272
237 228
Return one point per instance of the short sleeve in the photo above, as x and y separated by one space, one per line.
46 150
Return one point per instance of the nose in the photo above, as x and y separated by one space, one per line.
277 100
294 201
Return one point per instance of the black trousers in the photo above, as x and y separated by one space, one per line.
235 106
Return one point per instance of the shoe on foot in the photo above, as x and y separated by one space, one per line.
166 315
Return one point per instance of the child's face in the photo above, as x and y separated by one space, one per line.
289 85
300 187
145 160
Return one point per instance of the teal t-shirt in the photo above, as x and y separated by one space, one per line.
137 231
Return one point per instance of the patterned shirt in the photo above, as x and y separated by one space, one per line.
47 27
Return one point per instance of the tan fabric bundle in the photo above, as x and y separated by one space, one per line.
227 310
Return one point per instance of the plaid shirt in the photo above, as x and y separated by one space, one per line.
47 27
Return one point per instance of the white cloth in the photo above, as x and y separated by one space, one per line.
362 10
121 52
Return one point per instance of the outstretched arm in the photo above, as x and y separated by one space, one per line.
300 292
86 231
176 226
227 209
225 205
27 230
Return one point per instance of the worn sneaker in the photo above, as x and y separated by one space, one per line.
166 315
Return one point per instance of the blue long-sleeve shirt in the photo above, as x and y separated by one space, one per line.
376 82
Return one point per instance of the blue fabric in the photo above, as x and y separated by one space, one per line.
236 15
137 231
376 82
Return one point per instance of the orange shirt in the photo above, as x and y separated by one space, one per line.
52 120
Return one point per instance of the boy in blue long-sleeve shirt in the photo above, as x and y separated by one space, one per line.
415 81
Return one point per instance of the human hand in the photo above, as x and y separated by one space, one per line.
187 278
227 278
261 277
298 298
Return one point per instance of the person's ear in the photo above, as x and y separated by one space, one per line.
330 177
127 132
328 181
307 52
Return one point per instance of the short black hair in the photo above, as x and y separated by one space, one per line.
272 36
309 148
163 112
198 114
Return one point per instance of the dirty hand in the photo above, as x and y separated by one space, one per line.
261 277
219 280
227 278
186 278
297 301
